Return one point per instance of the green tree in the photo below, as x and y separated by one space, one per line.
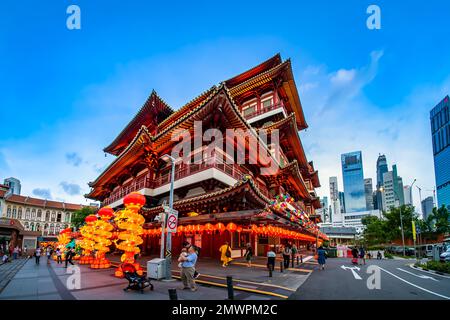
440 219
393 225
375 230
79 216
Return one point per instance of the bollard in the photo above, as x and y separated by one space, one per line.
230 288
281 266
292 263
298 260
173 294
270 270
301 259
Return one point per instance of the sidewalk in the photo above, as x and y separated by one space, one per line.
8 271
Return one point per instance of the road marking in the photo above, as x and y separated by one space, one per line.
435 274
415 285
355 274
264 266
418 275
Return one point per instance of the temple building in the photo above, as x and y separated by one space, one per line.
219 198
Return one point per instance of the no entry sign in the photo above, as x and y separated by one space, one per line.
172 220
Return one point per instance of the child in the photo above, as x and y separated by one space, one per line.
183 254
58 256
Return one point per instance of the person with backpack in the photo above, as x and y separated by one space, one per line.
225 254
69 255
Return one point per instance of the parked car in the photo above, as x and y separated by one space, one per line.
410 251
445 256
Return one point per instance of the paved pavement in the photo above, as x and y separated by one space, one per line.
53 282
8 271
398 281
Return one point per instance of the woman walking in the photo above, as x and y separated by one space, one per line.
248 255
225 254
322 256
37 254
58 256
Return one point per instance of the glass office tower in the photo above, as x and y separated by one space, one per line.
353 176
440 130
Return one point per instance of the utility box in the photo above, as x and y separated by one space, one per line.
156 268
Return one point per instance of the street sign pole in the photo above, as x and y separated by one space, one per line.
169 234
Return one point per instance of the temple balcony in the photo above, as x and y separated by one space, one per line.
277 111
185 175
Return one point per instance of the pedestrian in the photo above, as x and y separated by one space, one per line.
225 254
197 252
322 256
271 255
37 254
49 254
362 255
25 251
188 269
286 256
294 252
355 255
379 257
248 255
58 256
69 255
15 252
183 254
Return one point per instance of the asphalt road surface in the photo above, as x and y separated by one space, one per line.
396 281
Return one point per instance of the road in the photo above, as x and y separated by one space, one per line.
397 281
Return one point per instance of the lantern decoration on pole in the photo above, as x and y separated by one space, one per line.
87 243
130 223
220 227
208 228
101 235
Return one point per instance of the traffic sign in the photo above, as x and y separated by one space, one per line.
172 221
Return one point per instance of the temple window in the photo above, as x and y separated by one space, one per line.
58 218
14 214
33 214
267 103
32 226
27 214
19 213
47 215
53 216
8 212
248 110
39 214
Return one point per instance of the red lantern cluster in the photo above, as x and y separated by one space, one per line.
134 199
106 213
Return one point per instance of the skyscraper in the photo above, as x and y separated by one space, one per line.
440 130
427 207
392 195
353 175
407 194
334 200
14 185
368 190
342 201
382 168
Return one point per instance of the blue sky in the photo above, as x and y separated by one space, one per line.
65 94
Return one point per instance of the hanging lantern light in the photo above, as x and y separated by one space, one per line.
220 227
231 227
208 227
239 229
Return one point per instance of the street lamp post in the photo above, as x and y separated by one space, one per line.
168 256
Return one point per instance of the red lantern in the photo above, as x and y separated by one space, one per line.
208 227
180 229
134 198
106 213
90 218
239 229
220 226
231 227
198 228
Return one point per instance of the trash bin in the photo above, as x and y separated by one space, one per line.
155 268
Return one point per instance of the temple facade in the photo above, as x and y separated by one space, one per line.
240 197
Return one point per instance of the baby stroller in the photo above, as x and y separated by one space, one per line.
135 281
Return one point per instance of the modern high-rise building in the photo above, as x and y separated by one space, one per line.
407 194
334 200
342 201
353 176
368 190
440 130
392 191
382 168
427 207
14 185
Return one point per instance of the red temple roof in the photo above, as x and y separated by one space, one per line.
151 113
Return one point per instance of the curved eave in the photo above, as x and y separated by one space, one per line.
292 169
138 120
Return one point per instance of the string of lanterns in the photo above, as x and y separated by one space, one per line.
87 243
101 235
130 222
